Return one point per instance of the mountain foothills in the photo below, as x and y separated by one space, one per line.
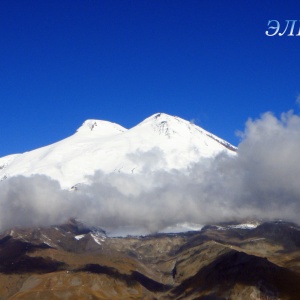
223 261
160 142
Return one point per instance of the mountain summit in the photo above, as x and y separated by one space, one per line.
159 142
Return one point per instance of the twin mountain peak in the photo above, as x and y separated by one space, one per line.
160 142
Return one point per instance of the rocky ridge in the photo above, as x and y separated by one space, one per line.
222 261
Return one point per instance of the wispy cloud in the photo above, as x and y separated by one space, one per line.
298 99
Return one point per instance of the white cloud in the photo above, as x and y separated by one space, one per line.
298 100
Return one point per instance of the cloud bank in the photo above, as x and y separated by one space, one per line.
261 182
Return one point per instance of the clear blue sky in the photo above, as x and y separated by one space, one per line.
65 61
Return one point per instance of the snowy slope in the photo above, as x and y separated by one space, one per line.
159 142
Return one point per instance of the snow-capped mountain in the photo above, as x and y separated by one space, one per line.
159 142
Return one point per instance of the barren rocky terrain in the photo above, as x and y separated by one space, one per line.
221 261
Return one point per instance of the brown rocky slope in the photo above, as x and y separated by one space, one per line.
72 261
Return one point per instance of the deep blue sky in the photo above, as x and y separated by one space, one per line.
65 61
